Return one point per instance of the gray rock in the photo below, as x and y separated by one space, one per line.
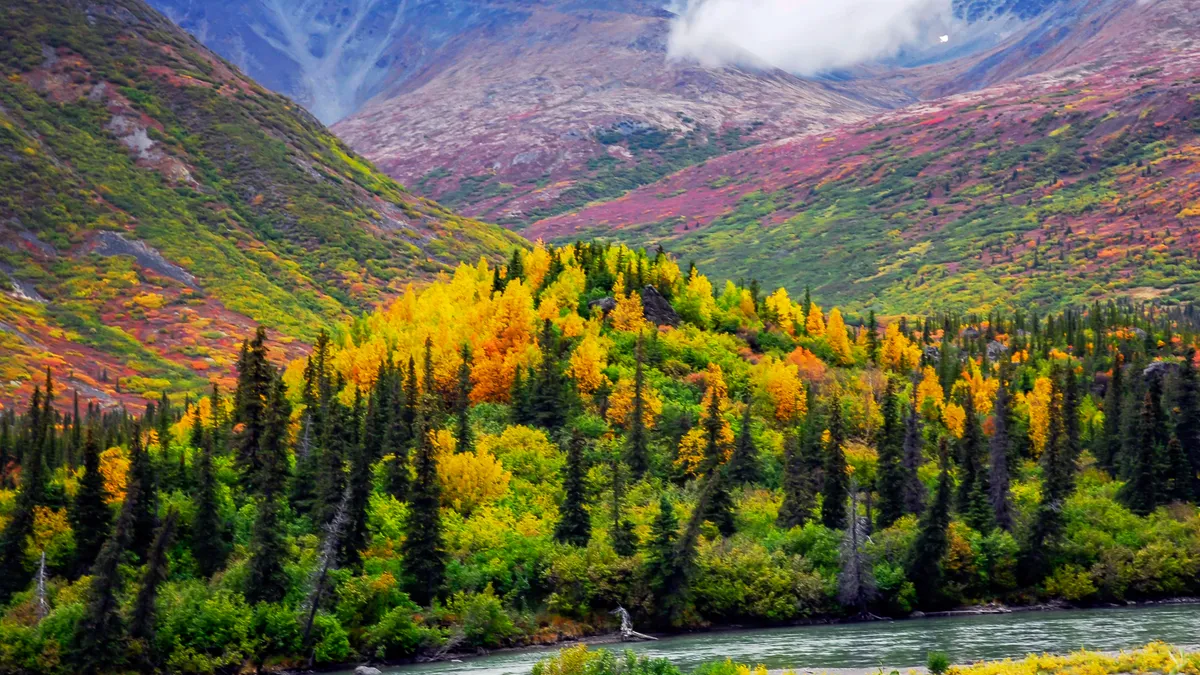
1160 369
367 670
605 305
932 354
995 350
657 309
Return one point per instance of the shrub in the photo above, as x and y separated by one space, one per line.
482 618
398 635
937 662
581 661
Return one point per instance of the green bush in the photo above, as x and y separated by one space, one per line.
937 662
482 618
398 636
581 661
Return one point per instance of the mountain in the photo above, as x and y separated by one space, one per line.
518 110
157 204
1064 187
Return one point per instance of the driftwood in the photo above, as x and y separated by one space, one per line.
628 634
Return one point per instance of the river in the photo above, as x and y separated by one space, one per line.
898 644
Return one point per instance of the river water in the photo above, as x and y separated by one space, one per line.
898 644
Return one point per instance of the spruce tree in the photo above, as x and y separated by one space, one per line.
924 567
267 581
1110 445
872 337
399 437
637 453
90 515
1057 482
255 377
99 637
798 497
1140 494
462 404
718 508
14 574
1187 423
1001 496
331 464
744 467
974 491
145 516
574 524
141 627
621 531
856 578
273 453
914 489
208 527
548 386
424 555
889 481
837 479
664 532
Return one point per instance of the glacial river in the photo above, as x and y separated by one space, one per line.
896 644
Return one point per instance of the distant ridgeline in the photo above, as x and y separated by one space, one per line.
508 454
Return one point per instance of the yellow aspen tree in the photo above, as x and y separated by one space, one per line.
836 337
587 363
815 324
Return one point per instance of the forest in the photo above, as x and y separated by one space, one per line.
508 454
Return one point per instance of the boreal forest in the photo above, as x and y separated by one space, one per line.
508 454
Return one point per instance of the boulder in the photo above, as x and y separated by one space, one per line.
932 354
605 305
996 350
367 670
1160 369
657 309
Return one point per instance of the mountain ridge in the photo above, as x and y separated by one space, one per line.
158 205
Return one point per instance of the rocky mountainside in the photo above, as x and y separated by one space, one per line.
157 204
1053 189
516 110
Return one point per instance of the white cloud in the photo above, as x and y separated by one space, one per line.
802 36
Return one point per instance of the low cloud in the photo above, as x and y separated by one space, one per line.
805 37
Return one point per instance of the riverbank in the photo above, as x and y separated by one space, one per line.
1157 657
614 638
846 648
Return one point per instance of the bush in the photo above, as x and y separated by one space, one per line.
580 661
937 662
482 618
399 636
331 642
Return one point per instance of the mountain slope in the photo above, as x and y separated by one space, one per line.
1048 190
157 204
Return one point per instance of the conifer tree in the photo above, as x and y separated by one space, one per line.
99 637
255 377
664 532
14 574
141 627
718 507
574 525
331 471
924 567
914 489
1140 494
522 407
621 531
837 480
744 467
267 581
1001 497
637 453
872 337
208 528
424 555
462 404
798 497
431 398
273 451
1057 482
90 515
145 515
1110 446
548 386
889 481
1178 471
1187 423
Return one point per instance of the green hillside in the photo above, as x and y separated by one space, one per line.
156 202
